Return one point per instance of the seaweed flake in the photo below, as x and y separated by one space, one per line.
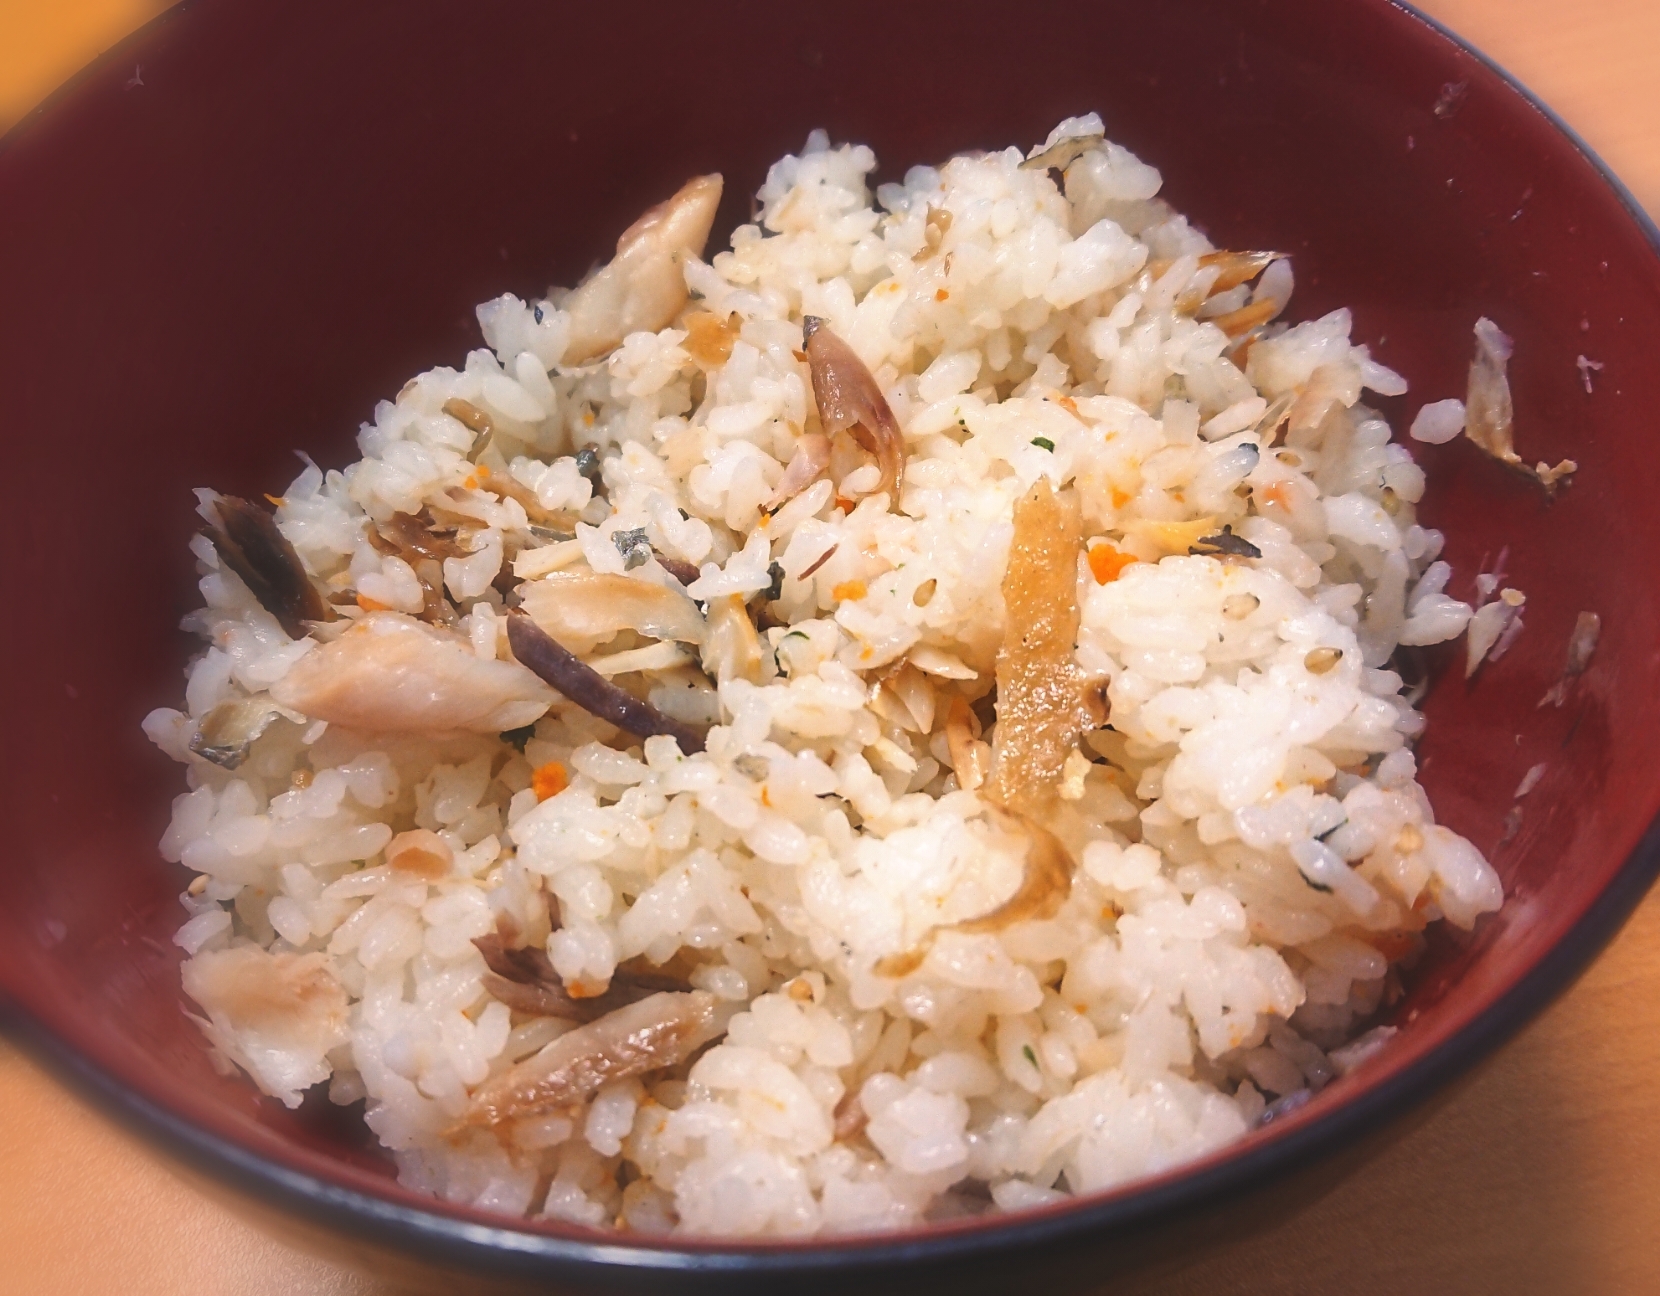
633 546
517 738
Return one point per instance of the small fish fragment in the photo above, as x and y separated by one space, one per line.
1237 323
1489 413
249 543
659 1031
1063 152
850 401
1585 368
970 757
1225 542
390 673
1581 644
585 609
276 1015
411 538
732 649
555 664
644 286
818 562
475 420
1490 622
1237 267
1232 269
806 466
524 979
227 732
1045 881
679 568
1530 780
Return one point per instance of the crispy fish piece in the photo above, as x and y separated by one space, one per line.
1041 708
1489 415
393 674
644 286
250 544
565 671
659 1031
849 401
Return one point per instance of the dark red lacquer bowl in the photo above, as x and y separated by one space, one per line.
231 237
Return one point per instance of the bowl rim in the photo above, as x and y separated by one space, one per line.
505 1250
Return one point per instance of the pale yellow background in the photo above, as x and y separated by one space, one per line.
1540 1174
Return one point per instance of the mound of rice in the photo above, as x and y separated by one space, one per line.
1253 855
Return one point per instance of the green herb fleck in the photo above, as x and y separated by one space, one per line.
1030 1056
1043 443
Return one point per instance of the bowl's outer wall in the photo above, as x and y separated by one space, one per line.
300 203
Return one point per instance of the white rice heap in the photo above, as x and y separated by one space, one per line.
1253 850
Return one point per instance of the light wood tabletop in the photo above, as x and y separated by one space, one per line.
1539 1173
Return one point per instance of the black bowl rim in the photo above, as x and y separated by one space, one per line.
510 1252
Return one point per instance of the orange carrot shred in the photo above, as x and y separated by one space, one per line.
549 780
1107 564
852 590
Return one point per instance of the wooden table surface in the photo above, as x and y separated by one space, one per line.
1540 1173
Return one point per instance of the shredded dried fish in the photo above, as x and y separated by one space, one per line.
850 401
806 466
556 665
390 673
659 1031
410 537
229 731
1045 880
1581 644
818 562
1225 542
583 609
1489 413
970 757
249 543
679 568
1041 705
732 649
1062 153
524 979
1041 708
475 420
1487 627
644 285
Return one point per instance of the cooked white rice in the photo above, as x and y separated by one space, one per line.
1253 850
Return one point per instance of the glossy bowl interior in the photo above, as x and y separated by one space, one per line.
298 207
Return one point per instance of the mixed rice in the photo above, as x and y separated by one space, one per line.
897 720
